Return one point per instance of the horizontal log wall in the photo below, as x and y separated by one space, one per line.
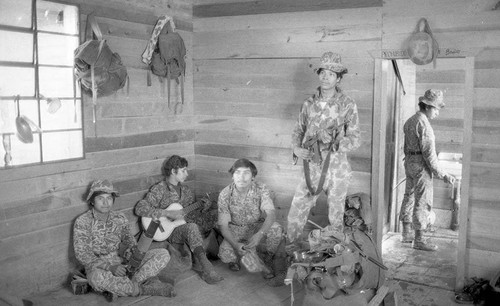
133 134
471 26
252 73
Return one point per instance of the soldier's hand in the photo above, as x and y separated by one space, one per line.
118 270
302 153
450 179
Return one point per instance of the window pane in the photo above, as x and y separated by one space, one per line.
25 153
17 81
56 49
15 13
62 145
56 82
56 17
67 116
16 47
7 117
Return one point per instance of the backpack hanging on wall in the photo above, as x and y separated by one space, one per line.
98 69
165 54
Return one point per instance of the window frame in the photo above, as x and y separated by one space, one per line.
37 97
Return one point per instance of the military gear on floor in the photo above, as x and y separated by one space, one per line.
154 286
407 234
420 244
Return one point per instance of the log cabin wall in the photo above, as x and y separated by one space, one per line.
254 64
134 134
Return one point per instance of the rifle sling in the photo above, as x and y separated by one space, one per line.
307 174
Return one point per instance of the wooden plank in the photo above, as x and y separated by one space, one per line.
122 11
448 21
486 135
138 140
467 41
330 18
277 6
282 67
447 76
484 264
485 153
465 192
264 110
317 34
486 97
425 7
357 49
487 78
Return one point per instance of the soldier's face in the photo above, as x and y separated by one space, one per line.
103 202
328 79
242 177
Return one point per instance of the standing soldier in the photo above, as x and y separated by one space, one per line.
420 166
327 128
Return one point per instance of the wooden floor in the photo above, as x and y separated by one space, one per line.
419 278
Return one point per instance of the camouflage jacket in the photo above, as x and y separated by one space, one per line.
245 210
93 238
419 137
315 121
160 196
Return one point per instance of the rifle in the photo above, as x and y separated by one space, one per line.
139 250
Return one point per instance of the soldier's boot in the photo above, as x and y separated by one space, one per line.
208 273
155 287
280 268
407 234
420 244
267 258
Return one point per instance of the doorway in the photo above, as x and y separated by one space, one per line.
403 82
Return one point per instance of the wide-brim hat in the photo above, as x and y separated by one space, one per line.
103 186
331 61
433 97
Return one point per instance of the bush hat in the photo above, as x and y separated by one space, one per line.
433 97
104 186
331 61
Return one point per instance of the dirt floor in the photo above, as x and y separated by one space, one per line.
418 278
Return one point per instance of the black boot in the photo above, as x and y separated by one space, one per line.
208 273
420 244
407 235
280 266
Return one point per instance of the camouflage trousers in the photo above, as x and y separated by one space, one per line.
102 280
337 181
417 200
189 234
242 233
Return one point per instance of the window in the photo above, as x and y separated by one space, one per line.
40 101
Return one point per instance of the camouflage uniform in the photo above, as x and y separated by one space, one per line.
246 215
420 167
315 121
161 196
96 245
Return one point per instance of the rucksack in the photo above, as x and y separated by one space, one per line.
99 70
165 54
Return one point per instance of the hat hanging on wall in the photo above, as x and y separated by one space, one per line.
422 48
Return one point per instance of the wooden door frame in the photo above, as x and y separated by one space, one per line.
379 160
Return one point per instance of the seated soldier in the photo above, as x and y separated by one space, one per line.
170 191
242 207
98 235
